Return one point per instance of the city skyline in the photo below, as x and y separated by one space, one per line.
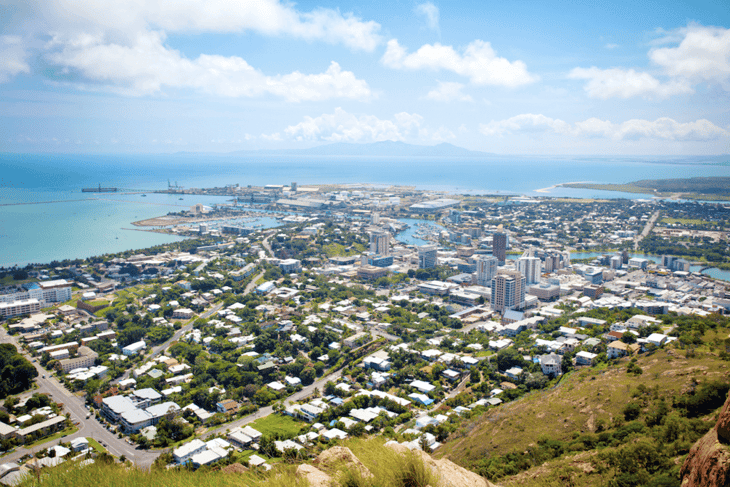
98 76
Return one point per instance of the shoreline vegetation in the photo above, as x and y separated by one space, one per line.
700 188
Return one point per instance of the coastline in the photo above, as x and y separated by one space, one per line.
559 185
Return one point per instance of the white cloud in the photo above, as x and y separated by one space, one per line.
109 30
611 46
276 137
478 62
527 122
12 57
430 13
342 126
626 83
662 128
703 54
148 66
267 17
448 91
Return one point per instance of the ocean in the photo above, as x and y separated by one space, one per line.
44 216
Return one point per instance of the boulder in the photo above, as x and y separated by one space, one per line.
313 476
708 461
723 423
447 472
234 468
340 456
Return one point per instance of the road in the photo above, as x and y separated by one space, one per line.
91 428
75 406
175 337
265 243
647 228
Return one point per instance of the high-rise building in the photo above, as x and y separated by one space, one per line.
616 261
380 243
508 291
427 256
375 218
594 275
531 268
486 269
499 246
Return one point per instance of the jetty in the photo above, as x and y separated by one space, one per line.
99 190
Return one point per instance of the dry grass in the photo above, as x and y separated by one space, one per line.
582 399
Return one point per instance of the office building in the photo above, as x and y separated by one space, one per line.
531 268
20 307
85 358
508 291
45 292
594 275
380 243
427 256
486 270
616 261
499 246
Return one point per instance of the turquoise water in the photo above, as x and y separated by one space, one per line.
79 224
408 236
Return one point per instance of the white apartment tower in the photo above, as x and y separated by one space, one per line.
380 243
531 268
486 269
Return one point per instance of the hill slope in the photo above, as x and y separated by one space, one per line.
359 464
595 411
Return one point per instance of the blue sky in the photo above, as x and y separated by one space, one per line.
519 77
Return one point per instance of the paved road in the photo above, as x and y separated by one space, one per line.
175 337
74 405
647 228
265 243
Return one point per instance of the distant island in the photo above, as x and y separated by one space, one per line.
710 188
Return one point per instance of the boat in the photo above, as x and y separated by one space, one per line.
180 199
144 195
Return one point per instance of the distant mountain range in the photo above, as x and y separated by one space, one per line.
375 149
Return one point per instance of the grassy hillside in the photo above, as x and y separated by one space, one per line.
593 414
388 469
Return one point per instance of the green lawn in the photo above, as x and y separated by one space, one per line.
96 445
275 423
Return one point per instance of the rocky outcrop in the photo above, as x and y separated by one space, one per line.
334 466
234 468
708 462
447 472
314 476
342 457
723 423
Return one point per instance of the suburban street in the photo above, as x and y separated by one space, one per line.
647 229
74 405
92 428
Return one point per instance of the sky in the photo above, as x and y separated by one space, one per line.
521 77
